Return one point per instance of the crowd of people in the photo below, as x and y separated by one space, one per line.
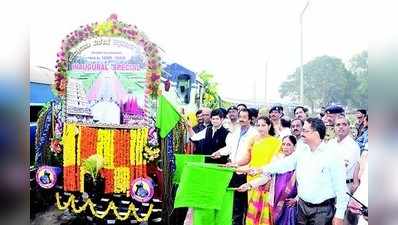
304 170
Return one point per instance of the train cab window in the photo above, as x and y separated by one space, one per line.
184 84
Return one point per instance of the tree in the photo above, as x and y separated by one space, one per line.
326 80
211 98
358 66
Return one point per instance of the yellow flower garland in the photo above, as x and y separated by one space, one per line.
69 141
121 179
109 150
138 146
133 141
105 147
144 142
111 206
100 142
82 172
104 29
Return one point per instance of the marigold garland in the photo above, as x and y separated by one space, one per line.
70 158
109 151
144 143
138 172
122 148
69 142
133 142
87 142
122 179
82 172
105 147
71 179
107 174
111 206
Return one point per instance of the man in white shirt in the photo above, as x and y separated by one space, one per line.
320 177
237 142
236 147
348 150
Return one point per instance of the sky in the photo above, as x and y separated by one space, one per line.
234 40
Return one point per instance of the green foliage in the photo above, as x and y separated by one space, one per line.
93 164
326 80
226 104
211 98
358 66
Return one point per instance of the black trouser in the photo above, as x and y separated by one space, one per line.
178 214
350 218
240 200
315 214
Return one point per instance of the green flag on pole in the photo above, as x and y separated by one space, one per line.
166 117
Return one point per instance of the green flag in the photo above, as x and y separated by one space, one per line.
202 186
181 160
167 116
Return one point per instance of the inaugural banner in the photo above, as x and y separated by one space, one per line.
106 82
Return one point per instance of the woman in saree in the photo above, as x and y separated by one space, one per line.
262 149
283 189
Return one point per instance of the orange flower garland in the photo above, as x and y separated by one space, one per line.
107 174
71 181
87 142
122 148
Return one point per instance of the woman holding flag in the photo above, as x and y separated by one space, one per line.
262 149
